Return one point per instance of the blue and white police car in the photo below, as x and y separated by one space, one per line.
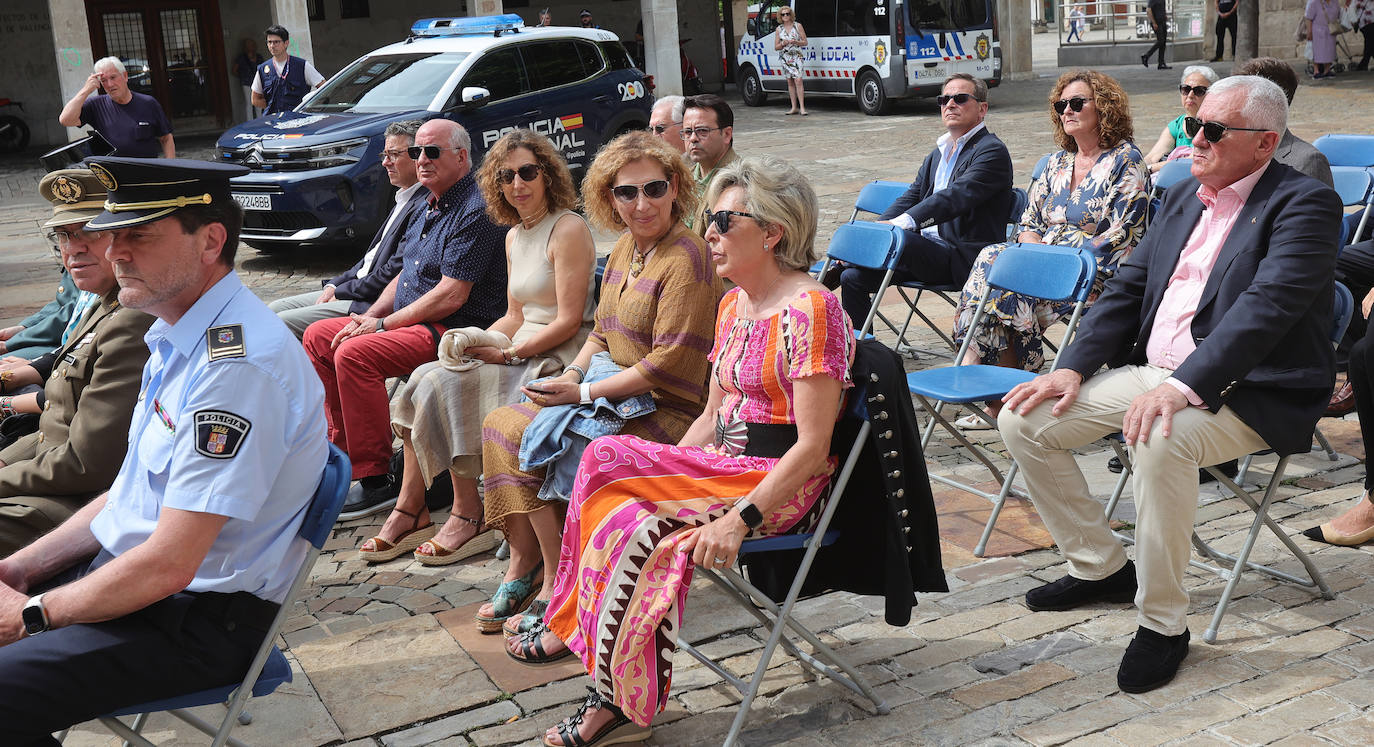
317 177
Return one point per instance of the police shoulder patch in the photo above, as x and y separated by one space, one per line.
225 342
220 433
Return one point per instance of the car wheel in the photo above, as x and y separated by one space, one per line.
751 88
872 98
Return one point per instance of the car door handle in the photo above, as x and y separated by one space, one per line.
531 113
601 99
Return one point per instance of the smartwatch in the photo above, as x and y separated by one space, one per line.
35 617
750 513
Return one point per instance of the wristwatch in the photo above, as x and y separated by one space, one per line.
35 617
750 513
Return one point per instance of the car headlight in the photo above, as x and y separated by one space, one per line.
316 156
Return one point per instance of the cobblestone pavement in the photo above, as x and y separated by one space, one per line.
375 665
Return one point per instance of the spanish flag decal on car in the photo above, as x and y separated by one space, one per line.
572 121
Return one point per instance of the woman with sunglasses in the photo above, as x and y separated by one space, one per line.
755 463
643 367
790 45
438 414
1173 140
1092 193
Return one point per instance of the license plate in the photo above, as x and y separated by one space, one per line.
253 202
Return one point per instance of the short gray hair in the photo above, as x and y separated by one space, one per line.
112 62
678 104
1266 105
1203 70
776 193
404 128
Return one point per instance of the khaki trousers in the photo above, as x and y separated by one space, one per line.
1164 482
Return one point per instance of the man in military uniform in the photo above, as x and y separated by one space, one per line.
91 380
167 583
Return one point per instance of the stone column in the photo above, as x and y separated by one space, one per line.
295 17
487 8
71 43
660 46
1014 16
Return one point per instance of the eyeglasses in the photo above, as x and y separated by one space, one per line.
527 173
784 15
630 192
1076 103
699 133
1213 131
958 98
431 151
1198 91
59 239
659 129
721 218
270 42
394 155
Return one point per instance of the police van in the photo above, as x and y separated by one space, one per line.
873 50
317 176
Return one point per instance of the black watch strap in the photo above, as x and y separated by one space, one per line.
750 513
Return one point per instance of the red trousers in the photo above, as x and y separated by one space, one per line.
354 376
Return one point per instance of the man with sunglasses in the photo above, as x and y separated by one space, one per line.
357 288
958 204
89 382
453 274
708 132
665 121
1216 331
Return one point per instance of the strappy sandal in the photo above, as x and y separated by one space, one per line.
532 648
484 540
517 624
407 542
511 598
618 730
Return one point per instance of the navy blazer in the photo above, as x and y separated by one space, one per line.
363 291
973 211
1263 324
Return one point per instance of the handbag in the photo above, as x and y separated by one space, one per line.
1335 28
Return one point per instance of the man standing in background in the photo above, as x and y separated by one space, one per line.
133 123
283 81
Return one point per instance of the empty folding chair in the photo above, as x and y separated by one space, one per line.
1342 309
867 246
269 668
875 198
1057 273
1356 188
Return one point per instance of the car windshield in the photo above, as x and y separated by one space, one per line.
382 83
948 15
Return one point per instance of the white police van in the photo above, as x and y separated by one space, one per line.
317 175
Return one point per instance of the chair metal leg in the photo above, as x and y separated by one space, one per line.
997 504
1325 444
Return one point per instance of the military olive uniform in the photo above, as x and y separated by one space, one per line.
82 433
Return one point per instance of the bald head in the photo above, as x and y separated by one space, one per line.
445 155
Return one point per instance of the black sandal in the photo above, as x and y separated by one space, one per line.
618 730
532 649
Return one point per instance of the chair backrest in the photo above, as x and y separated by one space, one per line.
1352 184
1173 172
1040 166
877 196
1019 201
1347 150
1055 273
873 246
1344 309
328 500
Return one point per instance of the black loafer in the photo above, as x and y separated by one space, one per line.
362 501
1151 661
1069 592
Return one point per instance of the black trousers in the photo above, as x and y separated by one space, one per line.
922 260
1362 381
1368 31
1355 268
1224 24
1161 41
184 643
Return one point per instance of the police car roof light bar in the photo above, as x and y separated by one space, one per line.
493 25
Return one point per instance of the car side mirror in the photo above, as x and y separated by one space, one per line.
475 95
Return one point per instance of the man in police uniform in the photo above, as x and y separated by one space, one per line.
167 583
284 80
91 380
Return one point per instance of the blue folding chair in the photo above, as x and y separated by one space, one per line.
1347 150
1057 273
1343 307
867 246
776 618
1356 188
1171 173
269 668
1040 165
1019 201
875 197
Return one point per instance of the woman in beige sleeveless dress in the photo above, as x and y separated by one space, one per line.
438 414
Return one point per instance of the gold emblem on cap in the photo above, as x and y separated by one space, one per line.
105 177
68 189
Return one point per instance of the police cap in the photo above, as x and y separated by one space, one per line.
76 196
142 190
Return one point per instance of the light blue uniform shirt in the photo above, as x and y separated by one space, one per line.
241 436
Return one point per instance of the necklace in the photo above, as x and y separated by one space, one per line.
533 220
754 305
637 261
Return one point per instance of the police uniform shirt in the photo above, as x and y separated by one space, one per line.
229 421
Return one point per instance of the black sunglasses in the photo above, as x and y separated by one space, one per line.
958 98
659 129
630 192
721 218
1076 103
1198 91
527 173
431 151
1213 131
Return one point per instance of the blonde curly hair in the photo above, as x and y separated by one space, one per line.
639 145
560 192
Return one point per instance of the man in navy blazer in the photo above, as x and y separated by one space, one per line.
355 290
958 204
1216 332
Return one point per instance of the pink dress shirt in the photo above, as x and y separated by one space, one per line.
1171 337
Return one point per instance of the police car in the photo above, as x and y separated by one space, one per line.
317 175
